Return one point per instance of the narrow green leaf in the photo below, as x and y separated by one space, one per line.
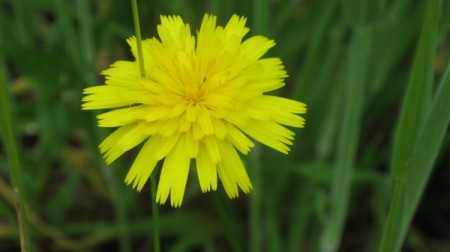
22 20
312 56
418 94
13 159
428 144
427 148
260 17
261 10
69 35
256 199
226 222
420 133
396 218
348 136
423 156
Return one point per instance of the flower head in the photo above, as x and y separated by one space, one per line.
202 99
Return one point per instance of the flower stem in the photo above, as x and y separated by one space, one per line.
256 241
137 29
155 212
11 149
227 224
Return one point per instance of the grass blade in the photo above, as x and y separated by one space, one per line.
408 191
306 89
87 56
418 94
348 137
427 147
406 167
226 222
259 26
260 17
22 22
15 170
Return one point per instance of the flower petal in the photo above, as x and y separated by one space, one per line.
142 167
120 117
239 139
206 170
270 133
174 175
232 171
109 146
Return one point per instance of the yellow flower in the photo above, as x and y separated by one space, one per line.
201 100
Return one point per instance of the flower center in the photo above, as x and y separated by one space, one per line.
193 94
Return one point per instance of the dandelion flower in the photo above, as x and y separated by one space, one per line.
202 99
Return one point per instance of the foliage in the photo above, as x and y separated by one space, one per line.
368 172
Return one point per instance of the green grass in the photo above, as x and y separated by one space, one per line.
17 192
367 173
409 173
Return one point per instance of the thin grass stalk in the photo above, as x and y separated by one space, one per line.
155 213
213 7
86 37
284 13
348 137
256 223
14 164
332 116
259 26
226 222
21 21
302 212
306 85
70 37
261 11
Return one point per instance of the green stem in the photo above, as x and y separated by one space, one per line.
137 29
256 224
226 222
155 212
261 10
261 13
11 149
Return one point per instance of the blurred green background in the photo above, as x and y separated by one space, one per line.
374 75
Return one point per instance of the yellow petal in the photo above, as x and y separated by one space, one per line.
109 146
142 166
270 133
255 47
212 148
101 97
239 139
123 116
174 175
206 170
231 171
